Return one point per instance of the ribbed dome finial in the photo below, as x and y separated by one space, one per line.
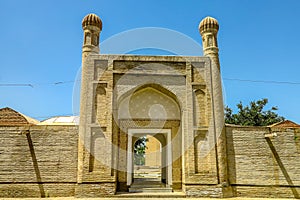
92 20
208 23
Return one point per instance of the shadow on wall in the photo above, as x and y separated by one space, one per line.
257 149
231 158
282 168
35 165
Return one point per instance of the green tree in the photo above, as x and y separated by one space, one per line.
140 145
139 151
252 114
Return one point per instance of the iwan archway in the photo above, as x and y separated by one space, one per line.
151 110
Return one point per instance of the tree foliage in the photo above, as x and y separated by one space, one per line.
140 145
139 151
252 114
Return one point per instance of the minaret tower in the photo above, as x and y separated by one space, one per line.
92 26
208 28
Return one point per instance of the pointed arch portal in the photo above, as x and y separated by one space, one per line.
149 102
152 110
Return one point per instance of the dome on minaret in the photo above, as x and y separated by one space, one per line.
92 20
208 23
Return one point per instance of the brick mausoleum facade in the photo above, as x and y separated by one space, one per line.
176 100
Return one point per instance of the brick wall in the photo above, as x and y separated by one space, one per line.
38 161
264 167
42 161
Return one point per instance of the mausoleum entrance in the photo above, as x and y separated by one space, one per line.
148 111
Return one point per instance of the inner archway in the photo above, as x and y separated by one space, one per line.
153 156
164 137
147 159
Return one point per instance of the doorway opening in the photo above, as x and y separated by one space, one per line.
149 167
147 159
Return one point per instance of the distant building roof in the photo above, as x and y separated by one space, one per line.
285 124
61 120
10 117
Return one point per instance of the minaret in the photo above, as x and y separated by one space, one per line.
209 29
92 26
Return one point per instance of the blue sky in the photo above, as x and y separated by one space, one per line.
41 45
